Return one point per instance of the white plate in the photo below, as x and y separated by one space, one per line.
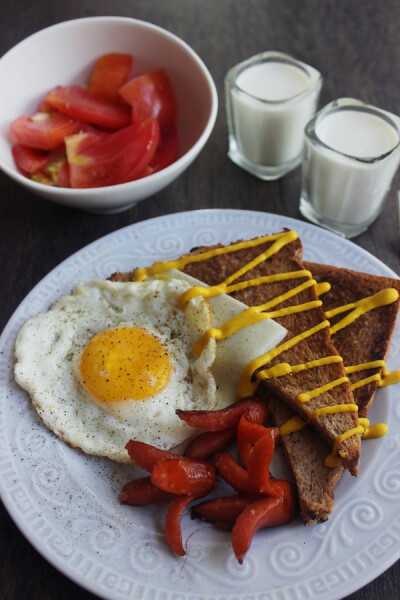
66 504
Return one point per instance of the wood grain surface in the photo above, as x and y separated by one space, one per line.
356 46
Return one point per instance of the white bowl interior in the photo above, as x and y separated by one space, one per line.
65 54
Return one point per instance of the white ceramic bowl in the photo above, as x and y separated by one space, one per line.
64 54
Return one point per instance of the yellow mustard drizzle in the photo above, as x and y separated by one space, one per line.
296 423
258 313
333 460
246 387
322 288
382 298
385 378
331 410
244 319
367 432
373 431
292 425
179 263
307 396
286 369
224 288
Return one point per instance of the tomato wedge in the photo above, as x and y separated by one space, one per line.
77 102
29 160
110 72
57 167
44 131
98 159
44 107
151 95
167 150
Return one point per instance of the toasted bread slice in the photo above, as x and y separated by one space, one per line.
288 387
305 452
368 338
365 340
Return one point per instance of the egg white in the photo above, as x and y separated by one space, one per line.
49 348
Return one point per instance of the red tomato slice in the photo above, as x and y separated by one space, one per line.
44 107
29 160
99 159
60 174
167 150
44 130
57 167
110 72
151 95
79 104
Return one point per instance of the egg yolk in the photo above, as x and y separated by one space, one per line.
126 363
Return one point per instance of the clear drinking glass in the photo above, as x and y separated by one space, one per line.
351 153
269 99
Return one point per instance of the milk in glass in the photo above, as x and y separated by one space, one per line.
351 155
270 98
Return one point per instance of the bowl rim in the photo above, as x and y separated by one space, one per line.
188 156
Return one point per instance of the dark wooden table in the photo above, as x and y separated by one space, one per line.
356 46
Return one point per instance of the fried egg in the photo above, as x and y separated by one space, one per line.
113 362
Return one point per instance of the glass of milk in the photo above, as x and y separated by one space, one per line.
269 100
351 153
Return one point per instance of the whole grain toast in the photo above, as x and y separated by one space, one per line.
365 340
305 452
368 338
